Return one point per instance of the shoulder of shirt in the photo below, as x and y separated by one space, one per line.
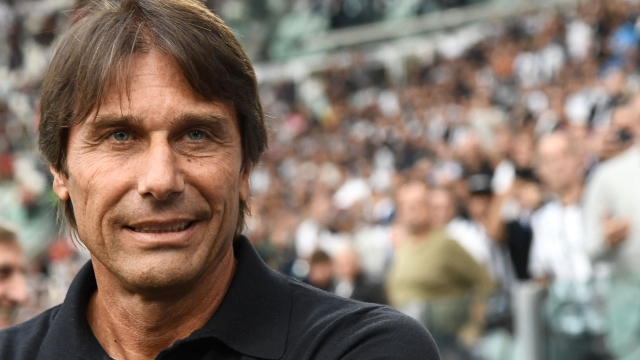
23 341
337 327
619 163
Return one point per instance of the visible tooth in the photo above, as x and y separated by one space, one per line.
154 229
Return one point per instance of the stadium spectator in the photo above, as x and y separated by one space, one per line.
518 205
432 278
13 285
612 218
559 259
559 247
444 214
352 282
321 271
481 233
613 224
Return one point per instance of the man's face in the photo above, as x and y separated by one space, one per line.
558 166
320 274
523 151
478 206
155 179
346 264
442 208
528 194
413 207
13 284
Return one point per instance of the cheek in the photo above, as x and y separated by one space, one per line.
216 179
96 185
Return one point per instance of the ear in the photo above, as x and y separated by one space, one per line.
245 188
60 184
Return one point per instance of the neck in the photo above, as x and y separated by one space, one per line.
420 233
131 326
571 194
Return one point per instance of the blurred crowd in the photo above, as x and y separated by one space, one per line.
276 29
510 161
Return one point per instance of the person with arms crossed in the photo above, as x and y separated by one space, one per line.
151 123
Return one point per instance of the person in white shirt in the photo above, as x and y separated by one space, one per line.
558 250
612 202
559 258
612 217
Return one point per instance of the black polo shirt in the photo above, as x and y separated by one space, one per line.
264 315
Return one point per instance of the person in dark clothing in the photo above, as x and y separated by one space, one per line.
518 233
263 315
151 123
321 271
519 244
352 282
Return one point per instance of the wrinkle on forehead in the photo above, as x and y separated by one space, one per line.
151 66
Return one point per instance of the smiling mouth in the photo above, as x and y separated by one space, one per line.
159 229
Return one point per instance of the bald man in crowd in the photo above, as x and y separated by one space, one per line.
13 285
559 248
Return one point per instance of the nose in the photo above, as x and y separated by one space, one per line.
161 176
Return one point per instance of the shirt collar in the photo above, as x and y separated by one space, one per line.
252 319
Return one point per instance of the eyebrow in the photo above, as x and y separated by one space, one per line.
4 267
203 119
104 122
218 123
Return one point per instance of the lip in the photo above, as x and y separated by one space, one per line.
169 238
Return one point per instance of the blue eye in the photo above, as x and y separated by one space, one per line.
195 135
121 135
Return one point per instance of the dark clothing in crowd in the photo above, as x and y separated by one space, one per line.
367 290
264 315
519 238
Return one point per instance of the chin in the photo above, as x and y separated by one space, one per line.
161 283
153 275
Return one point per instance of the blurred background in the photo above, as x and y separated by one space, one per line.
472 163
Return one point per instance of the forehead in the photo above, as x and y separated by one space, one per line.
11 254
151 84
413 193
441 196
553 145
